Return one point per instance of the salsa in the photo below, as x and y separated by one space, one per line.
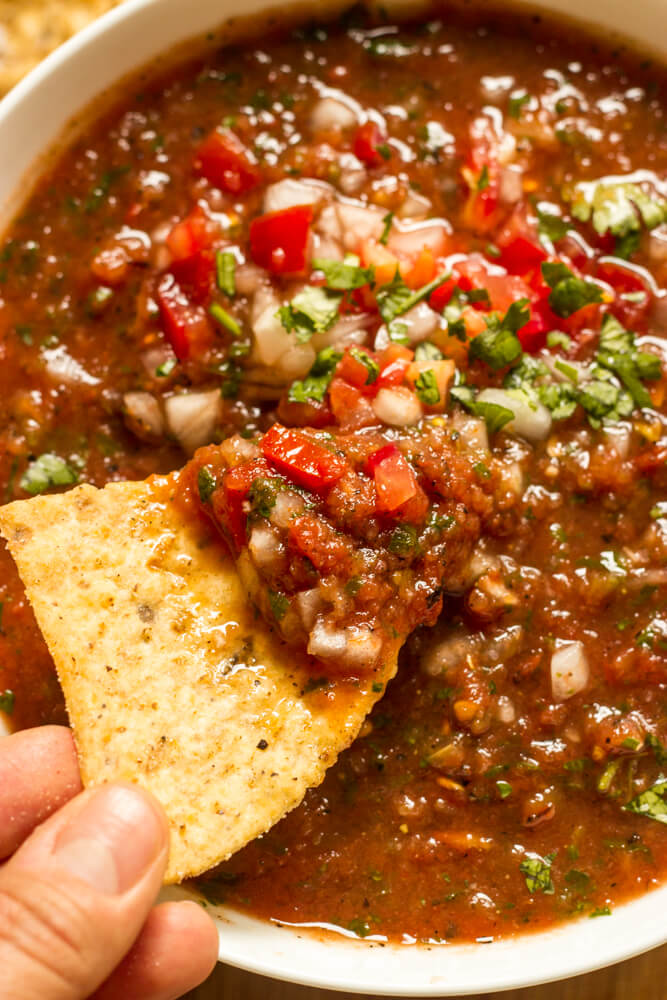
397 296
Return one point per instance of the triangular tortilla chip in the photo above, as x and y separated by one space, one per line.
171 679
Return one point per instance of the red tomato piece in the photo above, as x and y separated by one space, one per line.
228 502
533 336
351 410
185 324
191 235
353 370
226 163
279 240
196 274
522 255
304 461
367 144
392 373
395 480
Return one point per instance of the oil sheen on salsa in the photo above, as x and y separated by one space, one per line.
430 261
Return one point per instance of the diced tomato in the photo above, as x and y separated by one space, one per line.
422 271
196 274
225 162
279 240
185 324
191 235
353 370
443 370
367 144
384 263
394 363
628 280
441 297
533 336
482 176
395 480
304 461
521 255
350 408
227 503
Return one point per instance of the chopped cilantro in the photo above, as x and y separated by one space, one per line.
426 351
369 363
279 604
551 226
166 368
314 387
206 484
601 911
225 267
231 382
353 586
568 293
313 310
395 298
504 789
7 699
495 415
556 338
516 102
619 354
388 223
577 880
537 872
498 345
225 319
342 275
262 495
483 181
46 471
426 387
403 540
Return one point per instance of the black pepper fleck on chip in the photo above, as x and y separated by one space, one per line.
262 745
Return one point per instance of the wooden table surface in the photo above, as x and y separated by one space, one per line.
643 978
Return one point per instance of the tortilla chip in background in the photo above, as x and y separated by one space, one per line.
171 679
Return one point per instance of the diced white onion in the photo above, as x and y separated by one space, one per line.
287 506
249 277
511 184
421 321
143 414
359 222
328 224
618 437
237 449
356 646
309 604
329 113
472 431
657 244
415 206
297 360
353 174
411 240
506 712
192 417
532 420
288 193
271 338
265 547
570 671
326 642
397 407
348 330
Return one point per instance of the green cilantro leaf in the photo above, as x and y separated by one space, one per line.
279 604
403 540
504 789
342 275
395 298
225 270
498 345
313 310
369 363
551 226
388 221
314 387
537 872
619 354
516 102
495 415
568 293
426 387
7 699
262 495
45 472
206 483
651 803
620 208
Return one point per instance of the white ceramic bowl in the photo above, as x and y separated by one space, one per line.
32 118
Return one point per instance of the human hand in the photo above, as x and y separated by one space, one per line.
78 888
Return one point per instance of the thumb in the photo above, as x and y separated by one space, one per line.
74 897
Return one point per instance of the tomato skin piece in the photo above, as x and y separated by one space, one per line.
226 163
228 501
196 274
185 325
351 410
191 235
303 461
367 141
279 240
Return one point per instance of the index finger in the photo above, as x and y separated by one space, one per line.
39 773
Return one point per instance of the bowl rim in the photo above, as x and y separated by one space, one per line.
290 953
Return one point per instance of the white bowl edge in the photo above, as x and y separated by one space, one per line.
34 117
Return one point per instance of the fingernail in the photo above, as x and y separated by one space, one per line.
113 840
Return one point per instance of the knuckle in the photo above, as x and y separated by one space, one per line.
46 933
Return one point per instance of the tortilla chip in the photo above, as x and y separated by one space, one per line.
171 679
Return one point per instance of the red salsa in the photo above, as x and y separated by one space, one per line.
397 295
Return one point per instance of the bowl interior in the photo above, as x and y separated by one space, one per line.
48 107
